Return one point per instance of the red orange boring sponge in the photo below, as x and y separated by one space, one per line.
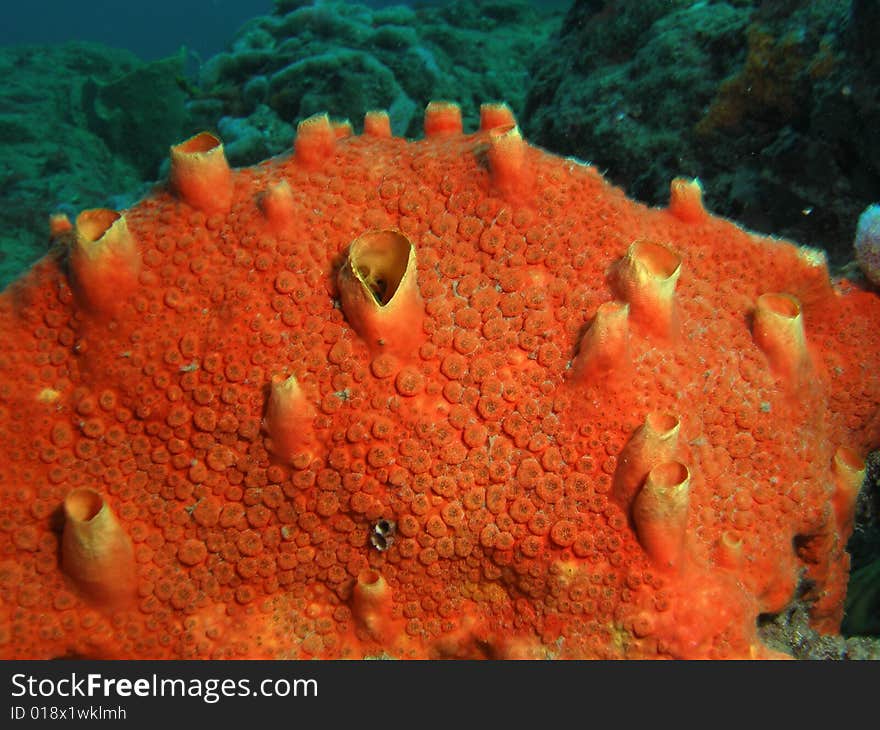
454 397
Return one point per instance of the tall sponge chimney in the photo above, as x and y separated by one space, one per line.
379 292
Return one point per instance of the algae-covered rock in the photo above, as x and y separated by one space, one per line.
862 616
139 113
344 81
621 89
343 58
258 135
771 104
863 602
51 160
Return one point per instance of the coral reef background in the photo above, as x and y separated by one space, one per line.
771 104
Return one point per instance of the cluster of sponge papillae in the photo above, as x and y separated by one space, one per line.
453 397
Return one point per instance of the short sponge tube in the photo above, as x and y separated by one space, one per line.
371 606
604 347
646 277
104 260
849 470
96 552
315 141
507 160
686 200
289 418
778 330
652 443
277 205
200 174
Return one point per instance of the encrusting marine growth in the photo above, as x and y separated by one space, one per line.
454 397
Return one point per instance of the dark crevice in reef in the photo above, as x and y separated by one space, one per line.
863 593
789 630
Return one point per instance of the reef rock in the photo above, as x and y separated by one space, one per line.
309 57
79 125
772 104
454 397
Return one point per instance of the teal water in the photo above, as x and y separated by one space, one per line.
150 30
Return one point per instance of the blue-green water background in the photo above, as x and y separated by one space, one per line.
152 29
